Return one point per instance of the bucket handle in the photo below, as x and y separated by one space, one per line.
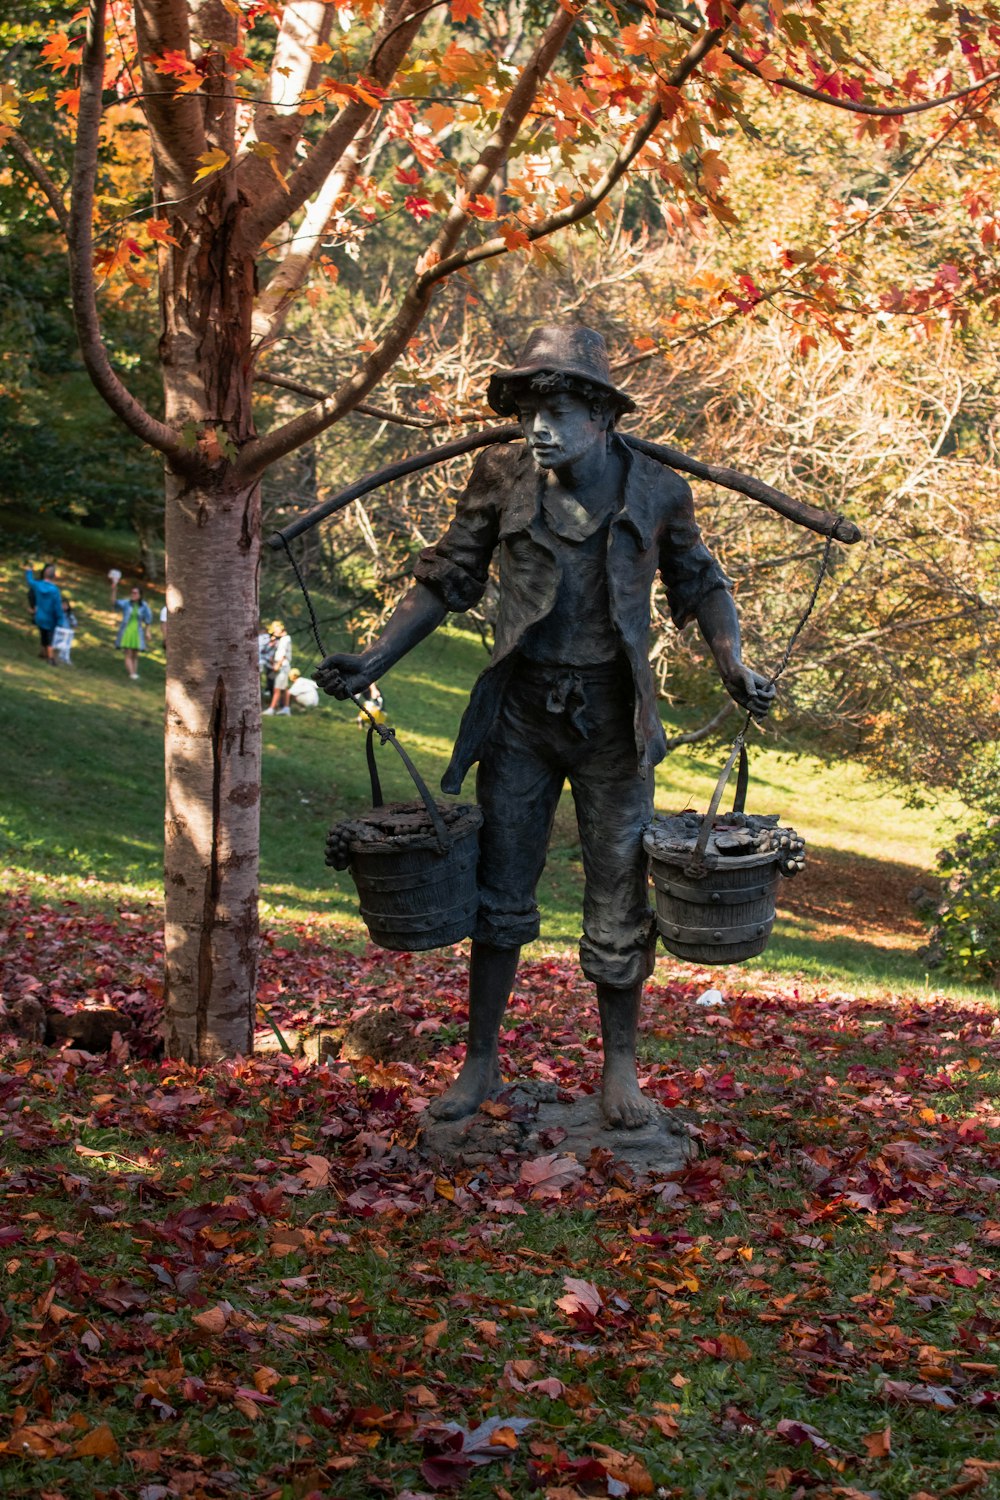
437 822
698 865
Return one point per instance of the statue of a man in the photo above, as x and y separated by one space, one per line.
583 523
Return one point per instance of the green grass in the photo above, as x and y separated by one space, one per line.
81 807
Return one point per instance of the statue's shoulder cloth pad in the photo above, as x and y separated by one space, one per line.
656 490
500 462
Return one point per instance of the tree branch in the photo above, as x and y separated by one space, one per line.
695 736
290 274
276 120
176 124
81 250
834 243
384 59
257 455
301 389
37 169
586 205
220 108
865 638
854 107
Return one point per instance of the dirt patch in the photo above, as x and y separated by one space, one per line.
872 898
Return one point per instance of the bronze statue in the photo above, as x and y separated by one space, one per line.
583 523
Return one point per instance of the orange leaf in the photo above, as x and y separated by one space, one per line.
159 230
434 1332
211 161
480 206
879 1444
212 1320
316 1172
726 1346
514 239
581 1296
100 1442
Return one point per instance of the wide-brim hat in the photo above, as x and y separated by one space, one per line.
574 351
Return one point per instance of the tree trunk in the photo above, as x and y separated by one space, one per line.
212 739
212 771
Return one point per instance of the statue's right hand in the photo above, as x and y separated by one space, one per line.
341 676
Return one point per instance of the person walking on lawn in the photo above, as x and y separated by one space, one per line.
47 603
136 620
282 664
62 637
583 524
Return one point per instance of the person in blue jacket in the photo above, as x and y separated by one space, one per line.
136 618
48 607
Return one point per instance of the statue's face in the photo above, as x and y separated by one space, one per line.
559 428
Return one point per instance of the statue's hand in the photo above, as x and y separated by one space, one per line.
341 676
750 690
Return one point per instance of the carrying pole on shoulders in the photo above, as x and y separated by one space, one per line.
810 516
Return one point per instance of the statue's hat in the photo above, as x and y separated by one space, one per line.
574 351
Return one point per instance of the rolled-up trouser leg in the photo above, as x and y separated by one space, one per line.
518 791
613 807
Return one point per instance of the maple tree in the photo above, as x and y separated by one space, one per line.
275 141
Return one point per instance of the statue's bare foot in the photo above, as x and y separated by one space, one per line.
624 1104
478 1079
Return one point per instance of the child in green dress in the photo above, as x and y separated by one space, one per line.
136 617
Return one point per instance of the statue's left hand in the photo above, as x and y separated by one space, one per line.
750 690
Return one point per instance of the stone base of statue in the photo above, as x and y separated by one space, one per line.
532 1119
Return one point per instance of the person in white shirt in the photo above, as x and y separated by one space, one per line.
282 669
303 691
62 636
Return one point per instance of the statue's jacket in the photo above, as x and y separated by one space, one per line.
654 530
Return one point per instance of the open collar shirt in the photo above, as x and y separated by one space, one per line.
652 531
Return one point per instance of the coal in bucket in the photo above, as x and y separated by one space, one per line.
715 878
414 864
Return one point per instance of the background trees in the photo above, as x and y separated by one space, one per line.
404 170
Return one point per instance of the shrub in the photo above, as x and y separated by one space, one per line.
965 939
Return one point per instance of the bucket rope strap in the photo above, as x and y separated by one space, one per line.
385 732
786 656
698 865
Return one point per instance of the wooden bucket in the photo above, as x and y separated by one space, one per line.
711 910
722 918
416 875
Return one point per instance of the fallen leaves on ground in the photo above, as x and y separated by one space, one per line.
248 1280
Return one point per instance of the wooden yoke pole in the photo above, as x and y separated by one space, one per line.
731 479
798 511
399 470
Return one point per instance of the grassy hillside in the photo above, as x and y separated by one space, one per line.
81 805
